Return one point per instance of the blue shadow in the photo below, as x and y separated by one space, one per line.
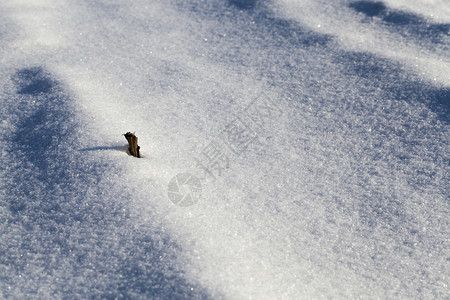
32 81
378 71
244 4
405 23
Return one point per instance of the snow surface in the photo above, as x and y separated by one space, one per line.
344 193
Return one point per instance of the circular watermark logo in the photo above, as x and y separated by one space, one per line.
184 189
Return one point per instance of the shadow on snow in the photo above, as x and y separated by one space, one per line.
68 214
405 23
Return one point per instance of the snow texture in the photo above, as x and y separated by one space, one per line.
319 131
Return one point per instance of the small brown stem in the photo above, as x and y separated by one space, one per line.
132 144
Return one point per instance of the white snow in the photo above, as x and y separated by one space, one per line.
343 195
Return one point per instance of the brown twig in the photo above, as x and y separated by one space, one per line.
133 147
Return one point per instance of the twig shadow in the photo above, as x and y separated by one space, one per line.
105 148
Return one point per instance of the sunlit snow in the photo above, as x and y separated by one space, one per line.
317 133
